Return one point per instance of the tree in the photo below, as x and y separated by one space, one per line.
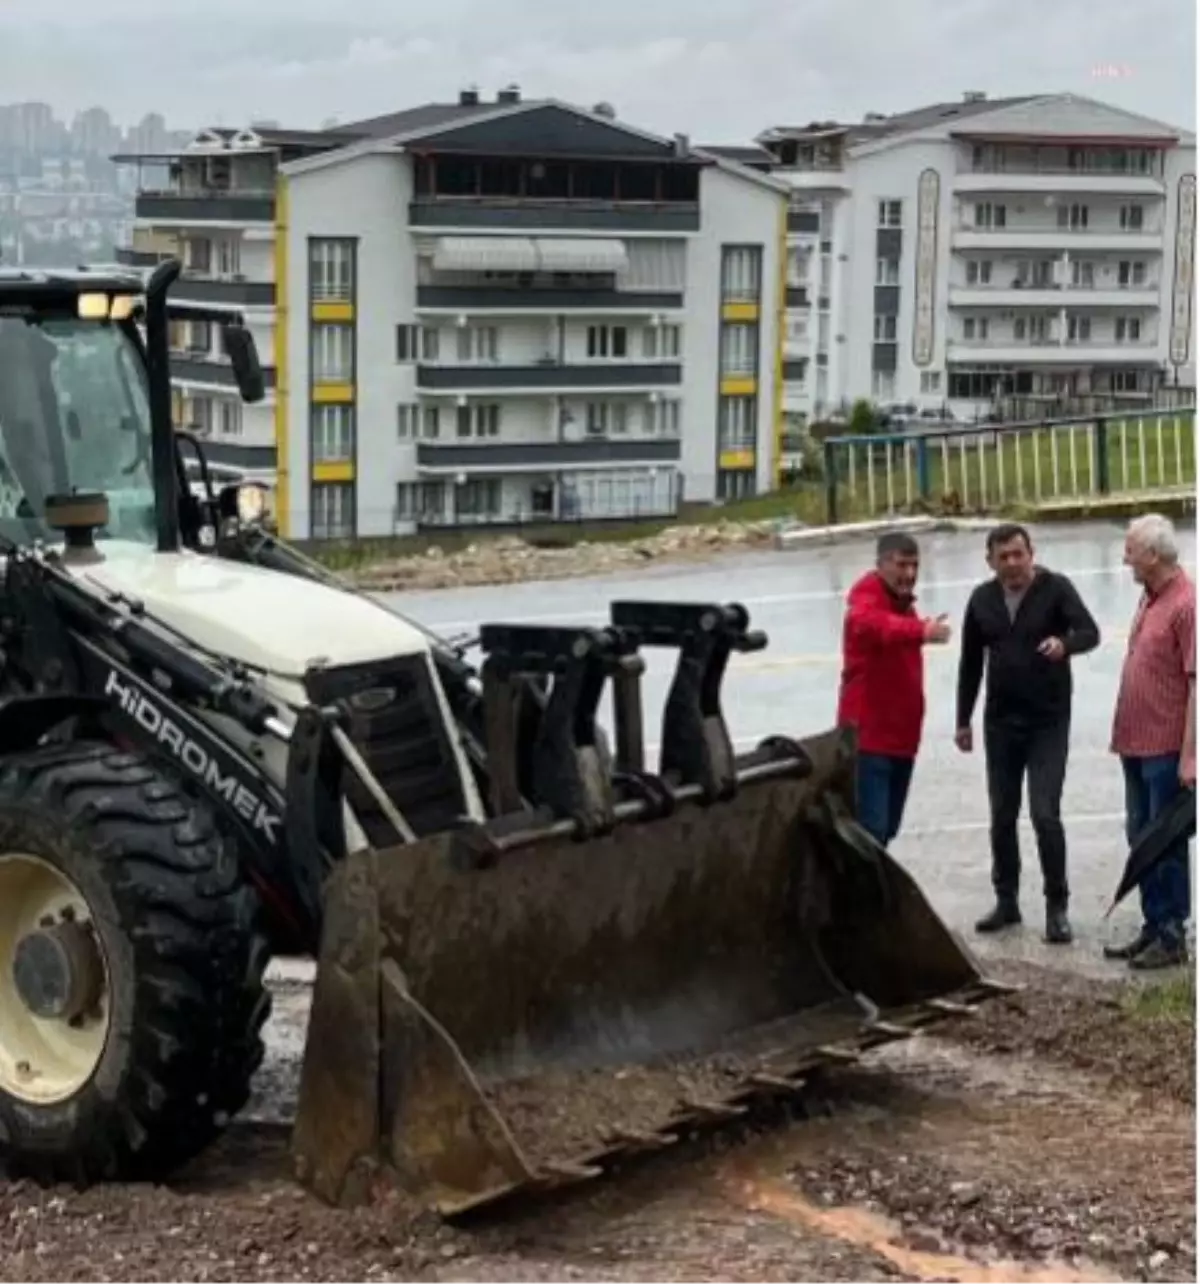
863 420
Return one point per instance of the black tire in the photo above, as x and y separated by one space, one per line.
179 929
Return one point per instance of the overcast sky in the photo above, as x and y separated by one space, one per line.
719 70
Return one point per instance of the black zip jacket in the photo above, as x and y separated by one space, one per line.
1022 686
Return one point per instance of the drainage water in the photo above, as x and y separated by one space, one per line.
871 1231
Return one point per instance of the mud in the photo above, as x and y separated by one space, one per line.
1085 1023
990 1155
567 1114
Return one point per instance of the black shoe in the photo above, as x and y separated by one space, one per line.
1058 926
1131 949
1007 913
1159 954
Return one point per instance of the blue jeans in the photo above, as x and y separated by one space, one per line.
882 787
1150 785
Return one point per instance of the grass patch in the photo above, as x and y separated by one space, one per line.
1172 1000
997 471
995 474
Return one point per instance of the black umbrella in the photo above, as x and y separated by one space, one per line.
1177 822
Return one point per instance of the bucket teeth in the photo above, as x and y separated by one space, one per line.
775 1082
715 1110
557 1172
890 1030
950 1008
832 1052
635 1139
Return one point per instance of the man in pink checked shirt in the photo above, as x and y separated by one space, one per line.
1154 731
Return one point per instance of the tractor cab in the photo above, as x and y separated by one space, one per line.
85 408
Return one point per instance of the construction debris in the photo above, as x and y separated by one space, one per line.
508 559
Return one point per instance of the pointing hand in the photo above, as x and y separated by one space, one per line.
937 630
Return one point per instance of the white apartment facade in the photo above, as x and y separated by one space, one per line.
525 313
212 204
1022 251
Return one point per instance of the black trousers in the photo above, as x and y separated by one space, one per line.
1015 750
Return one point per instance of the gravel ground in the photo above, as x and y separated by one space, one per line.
1085 1023
1051 1138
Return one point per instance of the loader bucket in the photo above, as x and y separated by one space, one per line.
482 1029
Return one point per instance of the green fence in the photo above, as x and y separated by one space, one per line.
985 468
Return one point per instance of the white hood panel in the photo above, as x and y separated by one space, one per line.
263 618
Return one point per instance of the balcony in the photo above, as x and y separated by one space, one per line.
206 206
202 368
517 456
193 287
1053 296
549 376
804 223
1049 236
1067 181
1009 351
507 299
514 212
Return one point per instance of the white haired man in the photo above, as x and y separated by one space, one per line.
1154 730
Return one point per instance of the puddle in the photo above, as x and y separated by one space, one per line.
872 1231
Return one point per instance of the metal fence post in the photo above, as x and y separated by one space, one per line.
831 482
1101 440
923 481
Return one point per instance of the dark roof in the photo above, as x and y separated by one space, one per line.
755 157
427 116
878 125
316 138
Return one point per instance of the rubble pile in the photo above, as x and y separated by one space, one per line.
508 559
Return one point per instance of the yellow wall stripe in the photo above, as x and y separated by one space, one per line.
739 312
780 333
739 386
283 486
742 459
333 312
342 471
332 394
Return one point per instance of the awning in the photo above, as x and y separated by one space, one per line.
526 254
485 254
581 254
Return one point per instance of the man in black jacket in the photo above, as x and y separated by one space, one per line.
1027 621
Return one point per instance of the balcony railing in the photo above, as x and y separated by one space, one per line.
593 449
519 212
1053 229
548 375
204 205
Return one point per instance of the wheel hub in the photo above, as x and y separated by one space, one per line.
57 971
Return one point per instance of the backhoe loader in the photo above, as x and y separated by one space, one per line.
537 953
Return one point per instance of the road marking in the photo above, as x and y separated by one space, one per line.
770 599
1109 636
974 826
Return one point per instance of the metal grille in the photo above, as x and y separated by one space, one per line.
396 724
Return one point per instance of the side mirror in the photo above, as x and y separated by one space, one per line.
239 344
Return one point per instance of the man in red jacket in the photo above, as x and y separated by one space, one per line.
883 680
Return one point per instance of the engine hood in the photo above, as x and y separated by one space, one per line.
263 618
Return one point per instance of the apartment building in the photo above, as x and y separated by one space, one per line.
987 254
496 312
212 203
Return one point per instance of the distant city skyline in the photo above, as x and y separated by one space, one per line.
721 71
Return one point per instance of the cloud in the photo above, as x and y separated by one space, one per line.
720 71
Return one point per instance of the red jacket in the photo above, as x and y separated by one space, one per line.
883 673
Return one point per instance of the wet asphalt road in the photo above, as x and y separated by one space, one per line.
797 596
